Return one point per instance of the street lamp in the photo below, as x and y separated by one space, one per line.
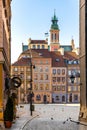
72 77
31 92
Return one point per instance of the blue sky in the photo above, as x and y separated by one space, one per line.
32 18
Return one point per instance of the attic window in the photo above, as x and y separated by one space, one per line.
57 60
40 54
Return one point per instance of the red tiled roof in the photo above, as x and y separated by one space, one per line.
38 53
22 62
38 42
57 58
70 55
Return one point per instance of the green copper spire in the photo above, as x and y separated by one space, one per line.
54 22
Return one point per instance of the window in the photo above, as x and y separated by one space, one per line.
40 54
41 77
54 71
78 88
28 85
69 72
75 62
55 36
63 71
38 46
34 46
22 75
54 79
57 98
42 46
46 69
58 79
47 86
36 69
63 98
58 88
73 71
41 87
58 71
4 4
21 69
69 62
63 79
47 62
41 69
28 77
35 86
41 62
69 88
52 37
28 68
38 97
57 60
46 77
15 69
63 88
75 88
35 76
54 88
76 97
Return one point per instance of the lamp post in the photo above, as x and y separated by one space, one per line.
31 92
72 78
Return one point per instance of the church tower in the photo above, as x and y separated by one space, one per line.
54 34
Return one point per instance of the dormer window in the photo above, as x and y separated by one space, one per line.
69 62
40 54
57 60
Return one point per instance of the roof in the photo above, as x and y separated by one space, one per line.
71 55
38 42
54 25
22 62
58 60
37 53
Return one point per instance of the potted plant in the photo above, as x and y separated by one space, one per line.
8 113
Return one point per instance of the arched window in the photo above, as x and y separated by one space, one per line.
63 98
38 97
52 37
55 36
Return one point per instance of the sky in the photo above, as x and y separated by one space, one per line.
32 19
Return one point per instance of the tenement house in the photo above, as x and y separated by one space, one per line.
52 67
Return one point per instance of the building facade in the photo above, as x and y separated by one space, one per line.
83 60
5 48
50 78
53 68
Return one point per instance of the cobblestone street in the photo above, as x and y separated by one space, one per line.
48 117
55 117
